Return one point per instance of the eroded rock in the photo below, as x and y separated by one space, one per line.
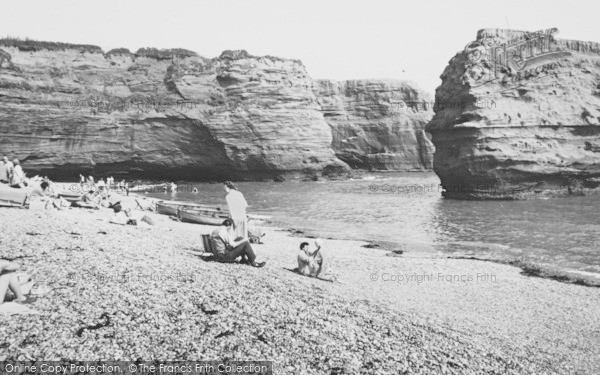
70 109
517 116
378 124
181 116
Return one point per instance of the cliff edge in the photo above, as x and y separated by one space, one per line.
518 116
67 109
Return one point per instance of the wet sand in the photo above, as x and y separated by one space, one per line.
123 292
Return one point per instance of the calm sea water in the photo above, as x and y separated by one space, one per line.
407 208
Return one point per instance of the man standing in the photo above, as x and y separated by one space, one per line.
226 249
237 210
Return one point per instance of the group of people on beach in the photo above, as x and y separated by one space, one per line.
229 242
11 173
108 183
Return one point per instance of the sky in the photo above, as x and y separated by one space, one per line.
352 39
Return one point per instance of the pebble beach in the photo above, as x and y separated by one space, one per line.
112 292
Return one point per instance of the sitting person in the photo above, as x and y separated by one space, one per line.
18 176
227 249
5 170
88 200
310 262
10 280
101 195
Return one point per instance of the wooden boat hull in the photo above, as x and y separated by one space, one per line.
148 188
70 197
8 203
10 197
200 218
166 210
171 208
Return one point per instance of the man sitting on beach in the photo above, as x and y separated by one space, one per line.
88 200
310 262
95 198
18 176
102 194
10 280
227 249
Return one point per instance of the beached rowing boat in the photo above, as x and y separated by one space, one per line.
11 197
201 217
171 207
71 197
148 188
11 203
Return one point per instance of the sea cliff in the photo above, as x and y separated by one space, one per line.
378 124
518 116
154 113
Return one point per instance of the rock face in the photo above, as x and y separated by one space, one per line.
377 124
235 116
517 116
68 109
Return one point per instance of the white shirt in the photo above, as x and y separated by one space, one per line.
237 205
18 175
309 263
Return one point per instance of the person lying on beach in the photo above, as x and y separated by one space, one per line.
126 217
10 281
227 249
48 196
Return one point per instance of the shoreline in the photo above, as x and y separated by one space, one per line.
569 276
371 321
354 174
